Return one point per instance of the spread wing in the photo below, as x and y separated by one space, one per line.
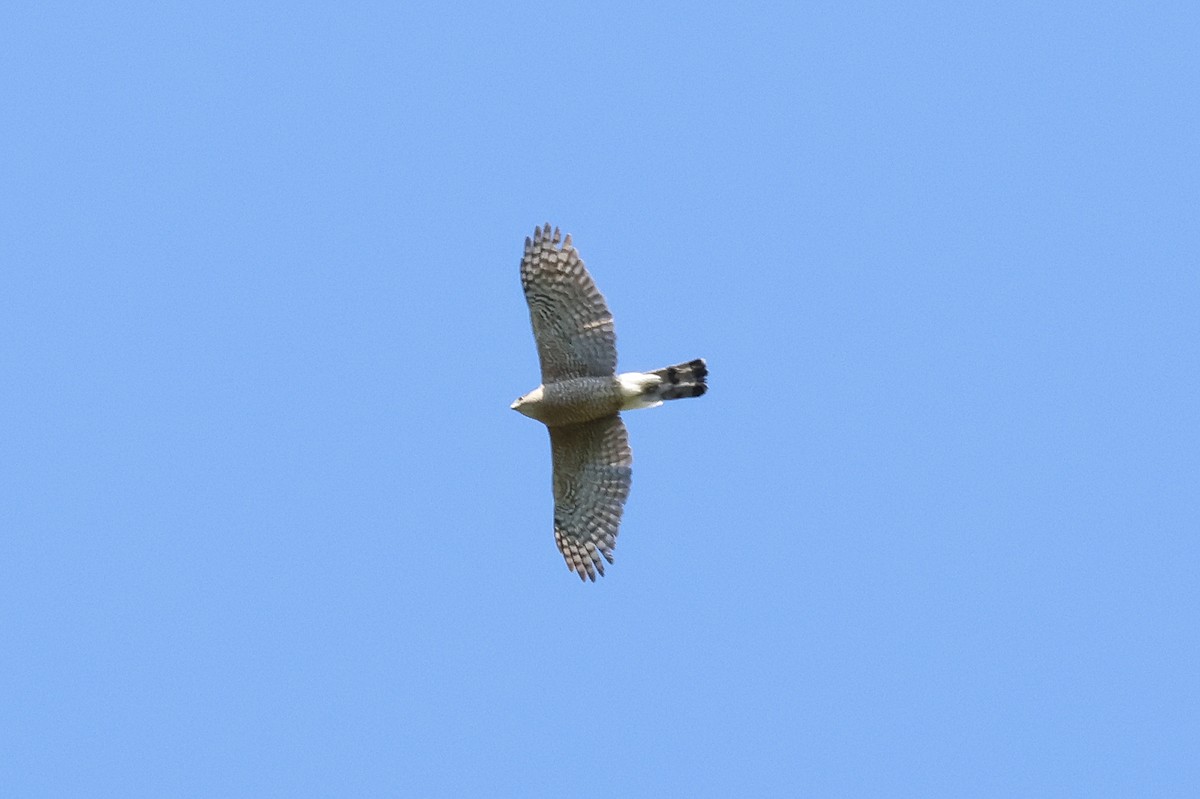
592 475
571 322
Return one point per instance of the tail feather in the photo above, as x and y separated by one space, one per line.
682 380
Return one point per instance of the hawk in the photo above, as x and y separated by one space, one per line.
581 397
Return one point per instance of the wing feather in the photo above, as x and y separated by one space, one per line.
571 321
592 475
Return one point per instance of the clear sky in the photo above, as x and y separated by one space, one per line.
269 527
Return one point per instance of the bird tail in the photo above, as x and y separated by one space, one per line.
681 380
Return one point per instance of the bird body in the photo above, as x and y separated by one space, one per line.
579 399
583 399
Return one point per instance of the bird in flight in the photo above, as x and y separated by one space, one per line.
581 397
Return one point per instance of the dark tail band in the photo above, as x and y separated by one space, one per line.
682 380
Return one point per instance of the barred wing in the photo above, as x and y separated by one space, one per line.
571 322
592 475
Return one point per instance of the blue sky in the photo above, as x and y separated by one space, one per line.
269 527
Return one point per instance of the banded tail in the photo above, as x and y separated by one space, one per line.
681 380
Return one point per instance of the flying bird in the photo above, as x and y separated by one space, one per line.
581 397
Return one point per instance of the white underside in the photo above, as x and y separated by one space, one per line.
633 387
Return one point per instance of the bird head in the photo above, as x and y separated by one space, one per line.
528 403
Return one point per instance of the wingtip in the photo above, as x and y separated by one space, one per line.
552 234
